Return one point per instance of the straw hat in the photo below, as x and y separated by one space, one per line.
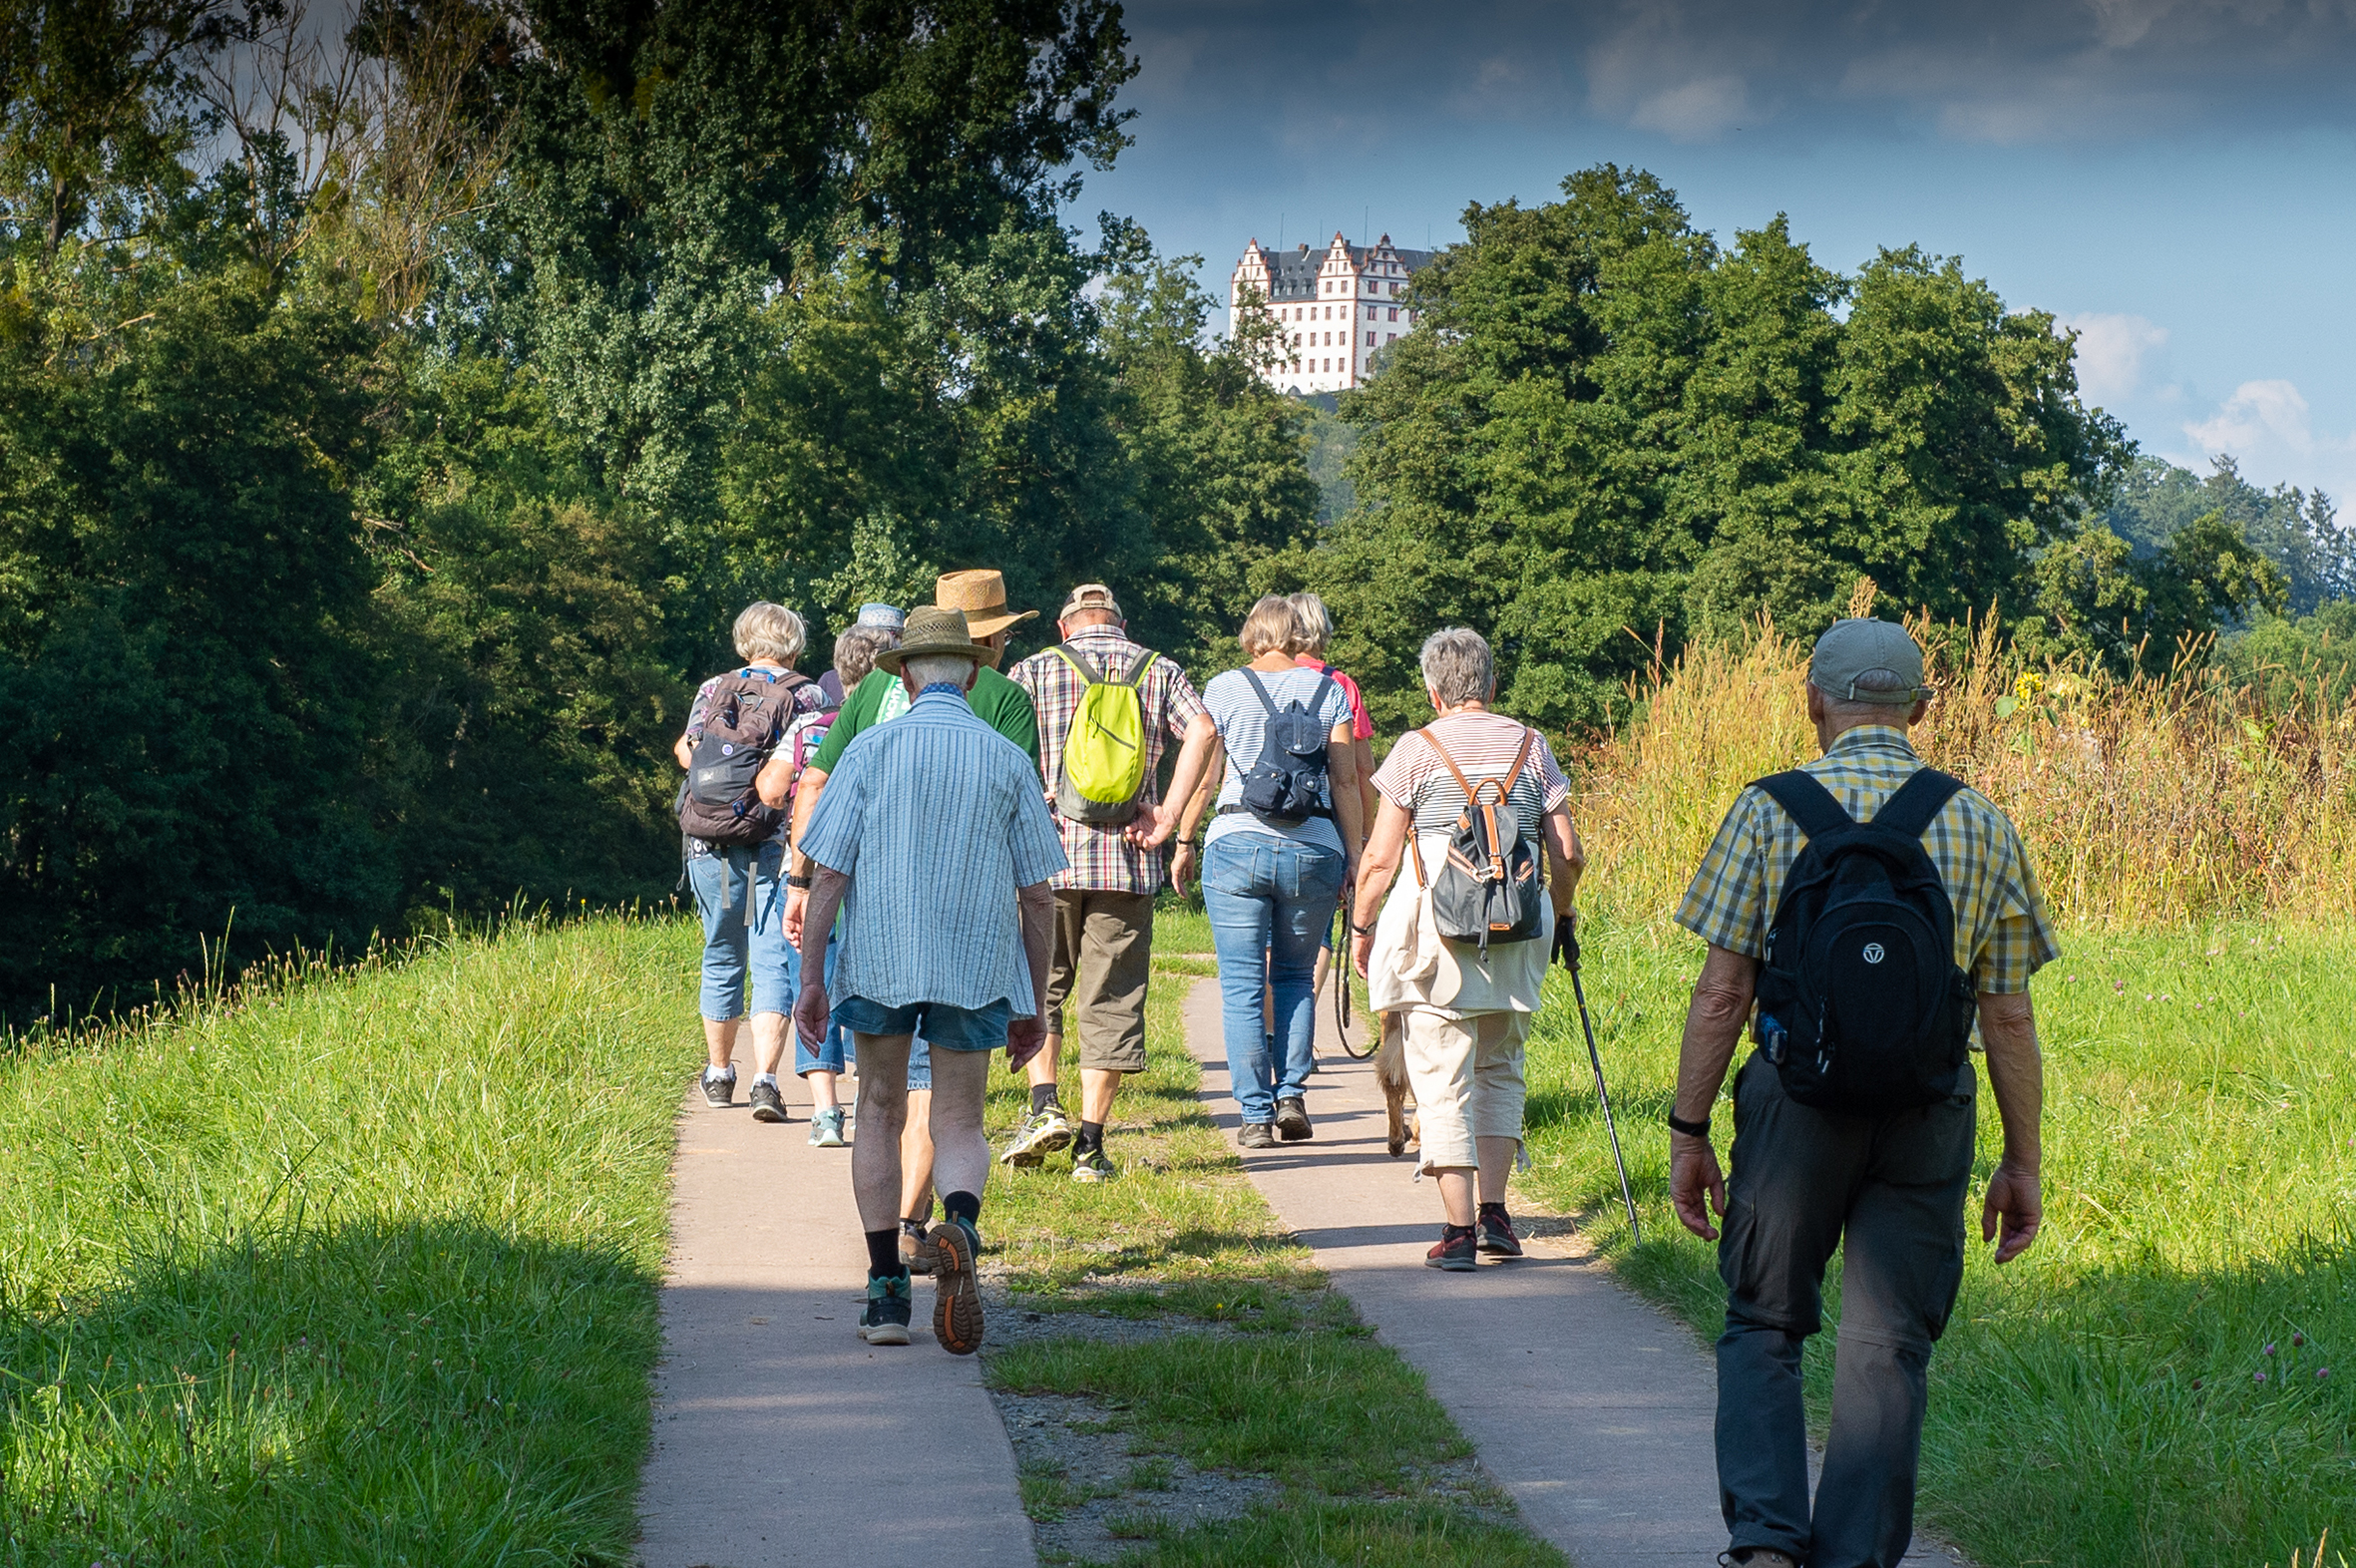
982 595
933 631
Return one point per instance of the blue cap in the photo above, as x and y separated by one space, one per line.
890 616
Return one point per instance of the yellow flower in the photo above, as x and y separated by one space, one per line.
2026 688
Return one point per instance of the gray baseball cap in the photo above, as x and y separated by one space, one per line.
888 616
1852 649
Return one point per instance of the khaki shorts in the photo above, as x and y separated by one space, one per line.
1103 959
1468 1078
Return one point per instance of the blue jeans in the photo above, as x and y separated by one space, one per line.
739 943
1269 900
835 1050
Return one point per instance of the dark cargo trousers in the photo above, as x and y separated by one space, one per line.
1889 1191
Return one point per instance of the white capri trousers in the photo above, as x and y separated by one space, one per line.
1467 1079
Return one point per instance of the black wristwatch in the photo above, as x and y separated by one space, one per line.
1366 929
793 881
1692 1129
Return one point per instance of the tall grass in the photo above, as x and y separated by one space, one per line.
357 1267
2156 799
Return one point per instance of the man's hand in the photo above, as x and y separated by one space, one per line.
796 900
2017 1200
1362 952
812 1012
1152 829
1693 1176
1024 1036
1183 863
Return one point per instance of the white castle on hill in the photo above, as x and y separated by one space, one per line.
1336 308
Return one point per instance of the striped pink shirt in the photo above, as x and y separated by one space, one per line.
1482 744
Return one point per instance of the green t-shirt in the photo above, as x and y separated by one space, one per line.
998 701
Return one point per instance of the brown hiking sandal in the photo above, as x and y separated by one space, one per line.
956 1297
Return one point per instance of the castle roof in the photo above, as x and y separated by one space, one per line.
1294 274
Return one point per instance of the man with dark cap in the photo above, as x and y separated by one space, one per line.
1844 1169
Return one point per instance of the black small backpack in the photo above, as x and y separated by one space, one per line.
743 719
1288 784
1490 886
1861 1007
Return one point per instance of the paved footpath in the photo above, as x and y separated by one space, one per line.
1587 1404
779 1436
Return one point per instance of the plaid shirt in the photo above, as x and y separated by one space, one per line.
1101 858
2002 933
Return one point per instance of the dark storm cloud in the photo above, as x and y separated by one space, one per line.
1704 70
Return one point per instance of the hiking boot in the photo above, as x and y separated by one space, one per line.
1453 1253
1094 1166
1495 1232
1037 1136
767 1102
917 1249
826 1128
1292 1120
957 1297
1757 1557
1256 1135
885 1322
720 1089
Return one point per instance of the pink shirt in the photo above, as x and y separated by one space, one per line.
1359 725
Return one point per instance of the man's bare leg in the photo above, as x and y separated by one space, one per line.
916 1156
960 1153
883 1113
719 1041
822 1089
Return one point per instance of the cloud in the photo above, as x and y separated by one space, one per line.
2004 71
2267 427
2110 350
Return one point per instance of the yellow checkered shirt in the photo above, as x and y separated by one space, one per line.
2002 933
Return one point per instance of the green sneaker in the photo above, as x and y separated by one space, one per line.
1094 1166
885 1322
1037 1136
826 1128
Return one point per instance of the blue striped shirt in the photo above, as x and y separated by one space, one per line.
937 819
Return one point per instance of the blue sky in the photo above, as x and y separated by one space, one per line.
2175 178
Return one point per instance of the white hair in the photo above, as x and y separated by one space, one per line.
767 631
1457 667
1313 624
926 668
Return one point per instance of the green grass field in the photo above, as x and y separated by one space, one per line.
2148 1385
364 1273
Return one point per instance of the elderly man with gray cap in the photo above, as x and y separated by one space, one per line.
1872 908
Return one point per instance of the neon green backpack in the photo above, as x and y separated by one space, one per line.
1103 765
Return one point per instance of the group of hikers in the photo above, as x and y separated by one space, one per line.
914 860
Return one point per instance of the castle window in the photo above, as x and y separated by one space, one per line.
1370 340
1394 312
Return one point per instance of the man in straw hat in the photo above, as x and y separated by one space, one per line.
932 838
1876 1162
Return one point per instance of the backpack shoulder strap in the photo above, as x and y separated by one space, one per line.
1809 802
1080 662
1316 698
1917 801
1253 675
1441 752
1135 675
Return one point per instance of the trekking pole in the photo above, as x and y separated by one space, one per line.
1566 947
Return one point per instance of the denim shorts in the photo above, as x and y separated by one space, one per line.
943 1026
920 1066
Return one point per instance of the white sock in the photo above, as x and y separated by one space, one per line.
710 1073
770 1078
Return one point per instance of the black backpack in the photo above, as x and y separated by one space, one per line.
1491 885
1288 784
1860 1006
743 719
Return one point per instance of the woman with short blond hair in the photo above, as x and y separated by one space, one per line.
1270 880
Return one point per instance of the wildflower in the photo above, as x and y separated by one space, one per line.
2026 688
2297 1339
2321 1373
2269 1347
2197 1384
2257 1377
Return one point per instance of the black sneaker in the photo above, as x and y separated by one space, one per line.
1495 1231
1454 1251
720 1092
957 1302
768 1104
1292 1120
1256 1135
885 1322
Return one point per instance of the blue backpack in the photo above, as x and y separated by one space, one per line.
1287 785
